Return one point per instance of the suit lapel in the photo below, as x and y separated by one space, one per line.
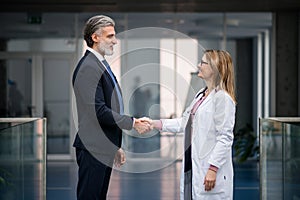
101 65
103 68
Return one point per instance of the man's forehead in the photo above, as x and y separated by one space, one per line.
108 30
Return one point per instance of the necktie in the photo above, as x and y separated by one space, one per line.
116 86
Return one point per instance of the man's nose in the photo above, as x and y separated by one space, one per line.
115 41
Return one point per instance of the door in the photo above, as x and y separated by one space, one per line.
39 85
56 104
16 85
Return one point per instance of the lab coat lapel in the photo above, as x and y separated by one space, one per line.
208 98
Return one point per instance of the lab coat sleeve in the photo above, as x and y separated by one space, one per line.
172 125
224 119
176 125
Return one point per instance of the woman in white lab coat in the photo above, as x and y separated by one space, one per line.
207 172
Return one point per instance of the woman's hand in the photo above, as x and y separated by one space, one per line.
210 180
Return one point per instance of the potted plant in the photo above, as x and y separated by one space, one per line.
245 144
6 187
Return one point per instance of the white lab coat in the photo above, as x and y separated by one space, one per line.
212 138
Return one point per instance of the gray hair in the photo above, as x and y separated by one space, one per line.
94 24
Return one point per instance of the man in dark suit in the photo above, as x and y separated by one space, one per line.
100 112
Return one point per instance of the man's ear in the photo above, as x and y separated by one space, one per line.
95 37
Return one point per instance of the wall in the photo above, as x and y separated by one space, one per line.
287 63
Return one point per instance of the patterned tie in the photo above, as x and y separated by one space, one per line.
116 86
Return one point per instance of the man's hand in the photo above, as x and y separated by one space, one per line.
154 124
148 120
142 125
120 158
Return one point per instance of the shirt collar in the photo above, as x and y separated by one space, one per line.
98 55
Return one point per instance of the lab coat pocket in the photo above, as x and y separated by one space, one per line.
219 188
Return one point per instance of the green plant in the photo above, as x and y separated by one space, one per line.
245 144
4 176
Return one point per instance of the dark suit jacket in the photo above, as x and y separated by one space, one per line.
99 122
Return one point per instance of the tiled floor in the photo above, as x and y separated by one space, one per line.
25 181
161 184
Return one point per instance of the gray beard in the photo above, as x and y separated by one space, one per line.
106 51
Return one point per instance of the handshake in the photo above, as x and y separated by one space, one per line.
143 125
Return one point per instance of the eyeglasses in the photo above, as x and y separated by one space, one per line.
203 62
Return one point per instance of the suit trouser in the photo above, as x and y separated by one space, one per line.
93 177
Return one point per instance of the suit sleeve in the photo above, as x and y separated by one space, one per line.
106 115
89 88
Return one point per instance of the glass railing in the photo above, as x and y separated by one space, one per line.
279 158
22 158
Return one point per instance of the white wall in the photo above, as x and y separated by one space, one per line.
41 45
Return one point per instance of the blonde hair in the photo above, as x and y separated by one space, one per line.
222 64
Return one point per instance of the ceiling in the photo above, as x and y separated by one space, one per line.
207 19
196 25
149 5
